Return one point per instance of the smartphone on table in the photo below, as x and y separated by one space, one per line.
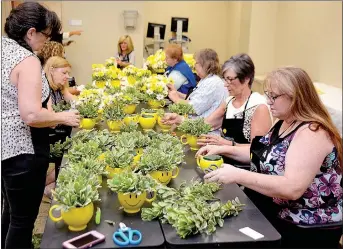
85 240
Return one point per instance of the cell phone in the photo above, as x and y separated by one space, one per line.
85 240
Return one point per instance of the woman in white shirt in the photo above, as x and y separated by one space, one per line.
126 53
210 92
244 114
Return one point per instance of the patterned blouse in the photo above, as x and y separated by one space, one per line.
208 95
15 134
322 201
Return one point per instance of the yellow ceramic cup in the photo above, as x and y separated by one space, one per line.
209 163
115 83
164 177
114 125
164 127
76 218
129 109
87 123
156 104
112 171
132 202
147 121
191 141
133 118
100 84
152 112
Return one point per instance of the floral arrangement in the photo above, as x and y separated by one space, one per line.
189 59
157 62
155 87
111 62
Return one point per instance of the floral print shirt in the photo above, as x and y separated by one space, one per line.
322 201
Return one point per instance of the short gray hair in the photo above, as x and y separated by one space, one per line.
242 65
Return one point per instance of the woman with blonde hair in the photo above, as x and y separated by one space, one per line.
296 168
57 71
126 53
210 92
178 70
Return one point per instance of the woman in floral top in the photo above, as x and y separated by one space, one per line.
296 169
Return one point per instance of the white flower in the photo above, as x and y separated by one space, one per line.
149 91
159 97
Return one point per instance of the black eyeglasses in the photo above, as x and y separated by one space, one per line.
46 35
229 80
272 98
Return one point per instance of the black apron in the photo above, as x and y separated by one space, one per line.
259 153
125 59
233 128
40 139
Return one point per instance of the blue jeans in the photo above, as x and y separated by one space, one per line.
22 187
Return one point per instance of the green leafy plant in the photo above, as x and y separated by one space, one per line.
79 150
131 127
134 92
114 111
88 109
142 140
155 159
191 209
175 150
76 188
57 149
181 108
143 110
195 127
129 99
91 164
61 106
119 157
126 140
130 182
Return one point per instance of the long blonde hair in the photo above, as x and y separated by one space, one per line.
129 42
306 105
55 62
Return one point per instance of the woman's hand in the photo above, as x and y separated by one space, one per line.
209 150
171 87
213 140
119 62
225 174
71 118
173 95
172 119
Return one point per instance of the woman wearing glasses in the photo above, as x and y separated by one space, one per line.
126 53
244 114
25 121
296 168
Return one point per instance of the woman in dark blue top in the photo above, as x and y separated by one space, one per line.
178 70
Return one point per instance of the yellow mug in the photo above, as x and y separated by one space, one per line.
165 177
114 125
156 104
152 112
132 202
133 118
164 127
100 84
87 123
115 83
129 109
76 218
190 140
147 121
209 163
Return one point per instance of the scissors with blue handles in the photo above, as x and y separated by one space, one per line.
122 239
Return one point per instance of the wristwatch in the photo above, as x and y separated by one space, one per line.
230 139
